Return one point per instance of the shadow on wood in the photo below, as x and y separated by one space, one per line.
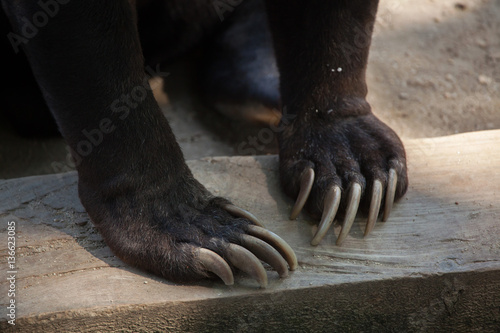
435 265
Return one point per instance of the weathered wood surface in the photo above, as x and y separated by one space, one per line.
434 266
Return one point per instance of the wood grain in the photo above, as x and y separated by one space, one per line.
435 265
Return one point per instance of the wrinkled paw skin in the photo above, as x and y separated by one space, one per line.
334 164
184 234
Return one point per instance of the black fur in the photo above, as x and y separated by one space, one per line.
89 61
322 51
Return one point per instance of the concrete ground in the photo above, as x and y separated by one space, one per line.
434 70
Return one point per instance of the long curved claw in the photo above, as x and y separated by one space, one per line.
390 194
306 183
266 253
352 209
245 261
215 264
240 212
374 206
277 242
330 208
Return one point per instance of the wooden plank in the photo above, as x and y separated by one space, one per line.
434 264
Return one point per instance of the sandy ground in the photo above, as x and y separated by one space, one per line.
434 70
435 66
